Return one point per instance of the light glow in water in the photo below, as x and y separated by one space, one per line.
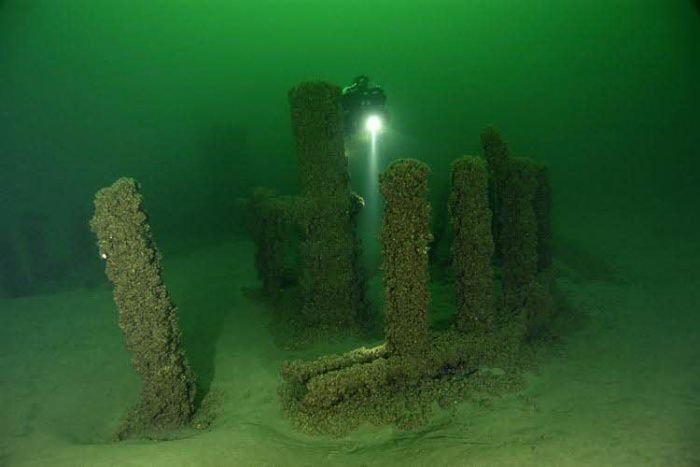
373 124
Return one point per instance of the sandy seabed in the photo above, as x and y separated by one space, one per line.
623 390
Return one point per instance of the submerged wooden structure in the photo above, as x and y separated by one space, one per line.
499 210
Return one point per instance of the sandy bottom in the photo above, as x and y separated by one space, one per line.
623 391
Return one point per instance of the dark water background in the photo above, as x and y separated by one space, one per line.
190 98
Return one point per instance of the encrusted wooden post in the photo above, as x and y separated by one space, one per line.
472 248
498 156
405 235
147 316
519 232
331 280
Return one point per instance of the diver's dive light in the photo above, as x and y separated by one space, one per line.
373 124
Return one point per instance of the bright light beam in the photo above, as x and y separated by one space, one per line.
372 211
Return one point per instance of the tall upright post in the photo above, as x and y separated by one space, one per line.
147 316
498 156
519 232
472 247
405 235
331 279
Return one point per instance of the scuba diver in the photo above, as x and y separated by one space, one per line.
361 100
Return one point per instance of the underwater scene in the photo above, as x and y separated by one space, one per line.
350 233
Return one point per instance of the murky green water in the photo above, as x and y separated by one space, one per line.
190 98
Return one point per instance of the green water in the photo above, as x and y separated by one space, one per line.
189 97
